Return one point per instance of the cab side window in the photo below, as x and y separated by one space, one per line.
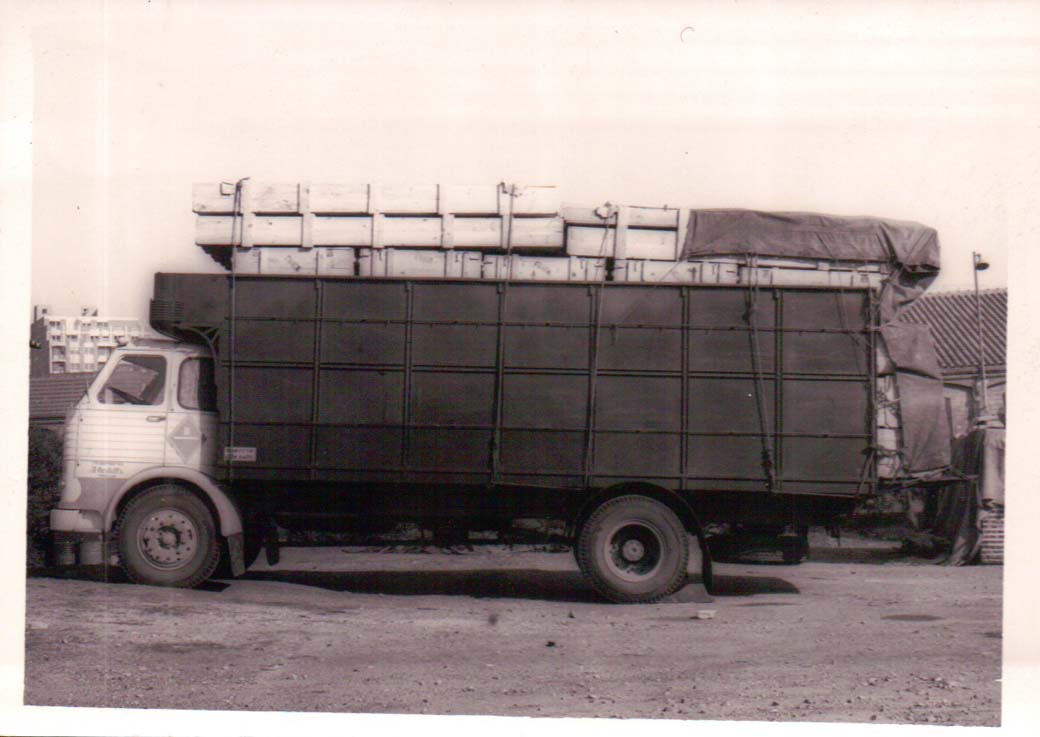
195 386
137 380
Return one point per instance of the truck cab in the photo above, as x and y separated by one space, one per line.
140 451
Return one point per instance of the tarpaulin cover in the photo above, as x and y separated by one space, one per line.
910 248
962 507
912 252
922 410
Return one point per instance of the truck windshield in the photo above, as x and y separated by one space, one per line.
135 380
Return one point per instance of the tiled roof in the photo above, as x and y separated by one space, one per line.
50 397
952 318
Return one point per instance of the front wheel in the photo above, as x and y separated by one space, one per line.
633 549
167 537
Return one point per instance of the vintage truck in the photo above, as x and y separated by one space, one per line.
636 414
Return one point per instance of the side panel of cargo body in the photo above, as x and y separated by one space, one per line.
566 385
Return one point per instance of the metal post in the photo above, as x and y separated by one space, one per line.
979 265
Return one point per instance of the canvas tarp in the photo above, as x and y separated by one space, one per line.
911 249
922 410
912 252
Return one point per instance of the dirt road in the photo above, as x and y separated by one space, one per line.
849 636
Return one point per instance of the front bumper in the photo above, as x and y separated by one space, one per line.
75 520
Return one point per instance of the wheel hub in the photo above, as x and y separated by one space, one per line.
167 538
633 551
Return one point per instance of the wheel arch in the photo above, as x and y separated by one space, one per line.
222 506
640 488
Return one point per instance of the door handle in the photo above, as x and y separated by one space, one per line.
156 418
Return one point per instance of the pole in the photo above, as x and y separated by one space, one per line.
984 408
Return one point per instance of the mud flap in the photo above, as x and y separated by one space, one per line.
236 554
706 574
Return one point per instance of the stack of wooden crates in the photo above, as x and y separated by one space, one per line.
472 232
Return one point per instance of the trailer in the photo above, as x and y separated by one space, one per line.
633 414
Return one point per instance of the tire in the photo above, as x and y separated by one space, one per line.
633 549
166 536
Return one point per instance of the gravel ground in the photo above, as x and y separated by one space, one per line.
853 635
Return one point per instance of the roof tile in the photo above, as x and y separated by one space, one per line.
51 397
952 318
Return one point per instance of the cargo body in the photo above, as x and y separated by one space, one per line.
560 385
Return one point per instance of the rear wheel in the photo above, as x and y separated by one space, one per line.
633 549
167 537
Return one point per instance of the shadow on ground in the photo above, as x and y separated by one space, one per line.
521 583
871 555
490 584
100 574
751 585
496 584
862 555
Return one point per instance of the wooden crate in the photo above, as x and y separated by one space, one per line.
381 231
634 217
544 268
718 272
641 270
815 277
295 261
624 232
395 262
636 243
366 199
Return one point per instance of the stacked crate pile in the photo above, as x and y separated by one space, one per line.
471 232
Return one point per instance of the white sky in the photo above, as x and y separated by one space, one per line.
911 111
926 111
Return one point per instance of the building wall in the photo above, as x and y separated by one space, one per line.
78 344
963 402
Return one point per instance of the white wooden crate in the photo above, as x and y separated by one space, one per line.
214 198
690 272
336 261
544 268
377 231
633 270
402 262
295 261
718 272
637 217
638 243
799 277
623 232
